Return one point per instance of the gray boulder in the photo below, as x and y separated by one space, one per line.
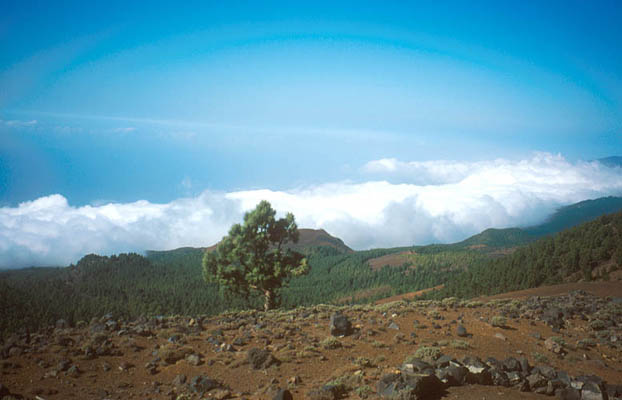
202 384
340 325
261 358
461 331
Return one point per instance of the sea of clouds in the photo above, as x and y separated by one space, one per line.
401 203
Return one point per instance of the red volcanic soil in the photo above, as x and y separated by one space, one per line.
408 296
145 358
392 260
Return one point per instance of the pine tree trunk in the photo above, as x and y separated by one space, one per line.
269 300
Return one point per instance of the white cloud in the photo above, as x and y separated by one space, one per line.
17 123
437 201
128 129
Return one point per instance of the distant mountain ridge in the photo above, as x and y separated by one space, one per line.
308 240
564 218
614 161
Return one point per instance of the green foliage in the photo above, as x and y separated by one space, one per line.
253 255
597 325
540 358
499 238
127 285
499 321
364 391
575 214
330 343
570 255
426 353
460 344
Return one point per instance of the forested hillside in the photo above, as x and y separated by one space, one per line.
575 214
130 285
589 251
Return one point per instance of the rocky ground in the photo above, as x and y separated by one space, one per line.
569 346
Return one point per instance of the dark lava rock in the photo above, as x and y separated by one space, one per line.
478 371
261 358
416 365
548 372
73 371
63 365
554 317
340 325
536 381
593 391
409 386
452 375
524 364
203 384
511 364
514 378
283 394
568 394
179 380
563 377
494 363
443 361
461 331
499 378
614 391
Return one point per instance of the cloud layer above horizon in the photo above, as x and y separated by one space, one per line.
401 203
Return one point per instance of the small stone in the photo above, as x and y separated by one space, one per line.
124 366
179 380
260 358
461 331
193 359
73 371
203 384
514 378
511 364
340 325
63 365
393 325
592 391
568 394
536 381
294 380
551 345
283 394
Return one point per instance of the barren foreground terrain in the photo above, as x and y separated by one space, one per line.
522 347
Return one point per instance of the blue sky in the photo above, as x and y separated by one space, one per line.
117 102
